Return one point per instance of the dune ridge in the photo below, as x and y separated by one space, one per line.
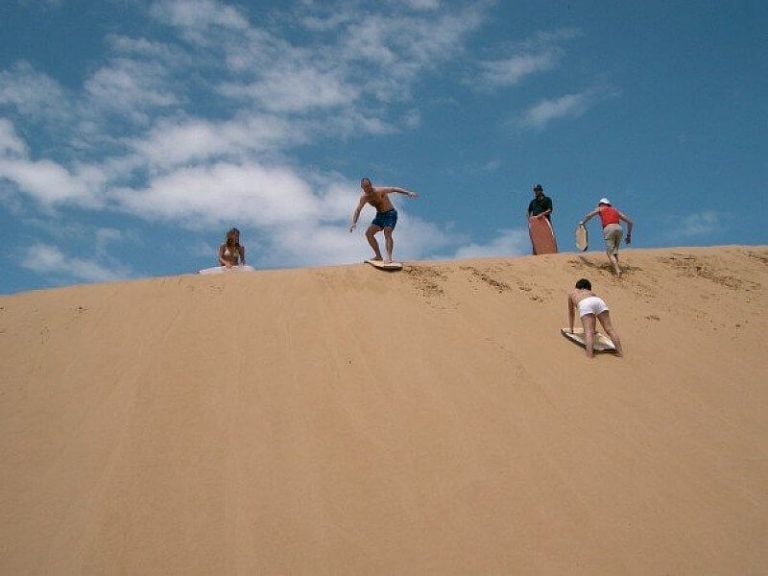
345 420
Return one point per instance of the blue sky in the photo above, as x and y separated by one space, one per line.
134 133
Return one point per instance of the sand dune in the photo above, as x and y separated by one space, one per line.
346 420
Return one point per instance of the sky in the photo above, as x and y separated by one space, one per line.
135 133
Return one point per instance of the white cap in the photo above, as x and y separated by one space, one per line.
604 201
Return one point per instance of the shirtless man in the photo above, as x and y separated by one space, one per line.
590 307
386 215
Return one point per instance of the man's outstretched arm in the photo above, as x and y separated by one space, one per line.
391 189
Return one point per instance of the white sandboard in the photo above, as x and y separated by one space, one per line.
602 342
381 265
582 238
222 269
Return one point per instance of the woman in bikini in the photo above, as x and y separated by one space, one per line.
232 253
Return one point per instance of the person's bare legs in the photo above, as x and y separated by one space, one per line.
605 320
389 244
370 234
588 322
614 260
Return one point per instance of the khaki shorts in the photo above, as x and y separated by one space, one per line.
612 234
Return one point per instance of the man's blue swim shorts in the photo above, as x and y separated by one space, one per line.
386 219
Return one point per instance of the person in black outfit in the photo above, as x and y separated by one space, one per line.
541 205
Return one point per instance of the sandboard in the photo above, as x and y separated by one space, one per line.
602 342
222 269
381 265
542 236
582 238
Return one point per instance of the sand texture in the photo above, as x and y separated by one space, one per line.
346 420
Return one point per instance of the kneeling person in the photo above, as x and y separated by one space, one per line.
591 308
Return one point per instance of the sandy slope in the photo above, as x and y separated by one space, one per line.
351 421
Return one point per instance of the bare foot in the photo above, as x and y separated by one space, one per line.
377 259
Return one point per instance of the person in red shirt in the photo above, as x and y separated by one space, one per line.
611 219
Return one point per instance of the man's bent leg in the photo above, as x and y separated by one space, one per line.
370 234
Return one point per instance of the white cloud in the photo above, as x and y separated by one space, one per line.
32 94
422 4
510 71
127 46
200 18
541 53
412 119
316 245
551 37
351 122
420 42
325 244
295 89
700 224
258 195
416 238
11 146
171 143
49 182
46 181
371 42
49 260
570 105
512 242
195 129
106 236
130 87
370 59
322 23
